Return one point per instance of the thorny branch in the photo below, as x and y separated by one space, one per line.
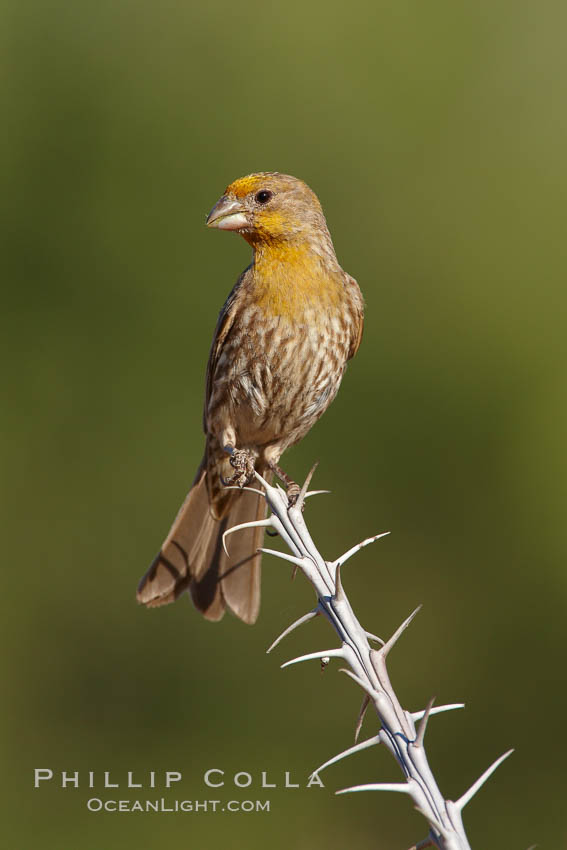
368 669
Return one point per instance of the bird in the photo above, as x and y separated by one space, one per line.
279 351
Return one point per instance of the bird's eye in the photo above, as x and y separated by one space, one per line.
263 196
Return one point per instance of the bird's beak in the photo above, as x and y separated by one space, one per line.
227 214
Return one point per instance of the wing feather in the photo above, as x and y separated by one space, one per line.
222 330
357 316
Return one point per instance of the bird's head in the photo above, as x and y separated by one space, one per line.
270 207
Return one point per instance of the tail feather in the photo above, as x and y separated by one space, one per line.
241 570
192 556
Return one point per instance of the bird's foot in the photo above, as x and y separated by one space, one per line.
292 492
292 489
243 465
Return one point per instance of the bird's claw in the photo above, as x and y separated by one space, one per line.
292 492
292 489
243 466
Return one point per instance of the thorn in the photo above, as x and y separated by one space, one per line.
259 523
240 489
468 795
423 725
361 713
302 493
262 481
401 787
370 636
317 493
274 492
390 643
294 572
339 594
291 558
364 745
304 619
326 653
341 560
365 687
417 715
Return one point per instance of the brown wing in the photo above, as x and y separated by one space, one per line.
357 308
224 324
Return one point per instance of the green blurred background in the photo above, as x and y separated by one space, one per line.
434 134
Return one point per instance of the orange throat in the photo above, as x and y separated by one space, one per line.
289 278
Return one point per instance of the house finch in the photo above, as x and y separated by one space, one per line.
279 352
